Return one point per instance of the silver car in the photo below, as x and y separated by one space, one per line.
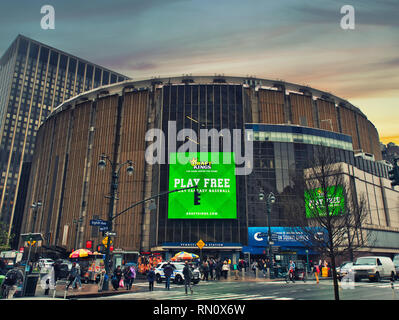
344 269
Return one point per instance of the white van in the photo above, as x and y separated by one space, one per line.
373 268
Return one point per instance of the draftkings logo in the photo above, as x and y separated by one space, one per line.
200 165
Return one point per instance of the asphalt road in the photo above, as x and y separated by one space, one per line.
264 290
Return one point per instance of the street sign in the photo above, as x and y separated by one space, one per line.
98 223
200 244
110 233
103 228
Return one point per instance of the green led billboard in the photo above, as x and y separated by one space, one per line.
216 182
315 202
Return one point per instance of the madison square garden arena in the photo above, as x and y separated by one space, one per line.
221 139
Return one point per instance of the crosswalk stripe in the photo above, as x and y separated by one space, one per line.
260 298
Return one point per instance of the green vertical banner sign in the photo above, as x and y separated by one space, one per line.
214 173
315 206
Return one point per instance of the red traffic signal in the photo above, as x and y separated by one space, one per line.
89 244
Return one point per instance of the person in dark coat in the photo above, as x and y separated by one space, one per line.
57 270
188 274
168 271
116 278
218 269
72 275
151 278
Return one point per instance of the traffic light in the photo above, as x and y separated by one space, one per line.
394 175
196 197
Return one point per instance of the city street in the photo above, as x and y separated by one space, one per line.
263 290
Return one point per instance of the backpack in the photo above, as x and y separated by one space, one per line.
11 278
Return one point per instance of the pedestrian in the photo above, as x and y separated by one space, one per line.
253 267
13 279
57 270
77 278
205 270
316 270
72 275
225 269
126 277
218 269
151 278
291 270
116 278
235 269
188 274
211 265
167 271
132 276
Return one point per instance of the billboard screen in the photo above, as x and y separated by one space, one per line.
315 206
216 182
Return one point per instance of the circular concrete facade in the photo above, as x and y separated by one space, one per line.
114 120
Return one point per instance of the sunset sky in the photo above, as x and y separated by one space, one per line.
297 41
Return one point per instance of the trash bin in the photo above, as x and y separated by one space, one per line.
31 283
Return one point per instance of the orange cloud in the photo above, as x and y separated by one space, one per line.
387 139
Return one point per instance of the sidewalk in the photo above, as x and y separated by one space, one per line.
91 290
88 290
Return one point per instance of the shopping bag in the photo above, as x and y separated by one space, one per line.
121 284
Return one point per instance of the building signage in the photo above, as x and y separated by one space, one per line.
207 245
315 202
214 173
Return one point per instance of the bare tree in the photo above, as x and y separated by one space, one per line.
325 208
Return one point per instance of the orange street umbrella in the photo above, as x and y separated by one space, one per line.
182 255
80 253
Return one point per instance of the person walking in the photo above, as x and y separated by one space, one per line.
77 278
188 275
57 271
72 275
132 276
235 269
218 269
291 270
205 270
212 266
116 278
126 277
151 278
225 269
168 271
316 270
13 279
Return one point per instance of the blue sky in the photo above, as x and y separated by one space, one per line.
298 41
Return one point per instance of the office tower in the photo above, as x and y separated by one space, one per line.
34 79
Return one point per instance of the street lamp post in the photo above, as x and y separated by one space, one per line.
270 199
114 189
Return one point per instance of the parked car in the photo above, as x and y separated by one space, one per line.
66 262
396 264
177 275
343 269
45 263
373 268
